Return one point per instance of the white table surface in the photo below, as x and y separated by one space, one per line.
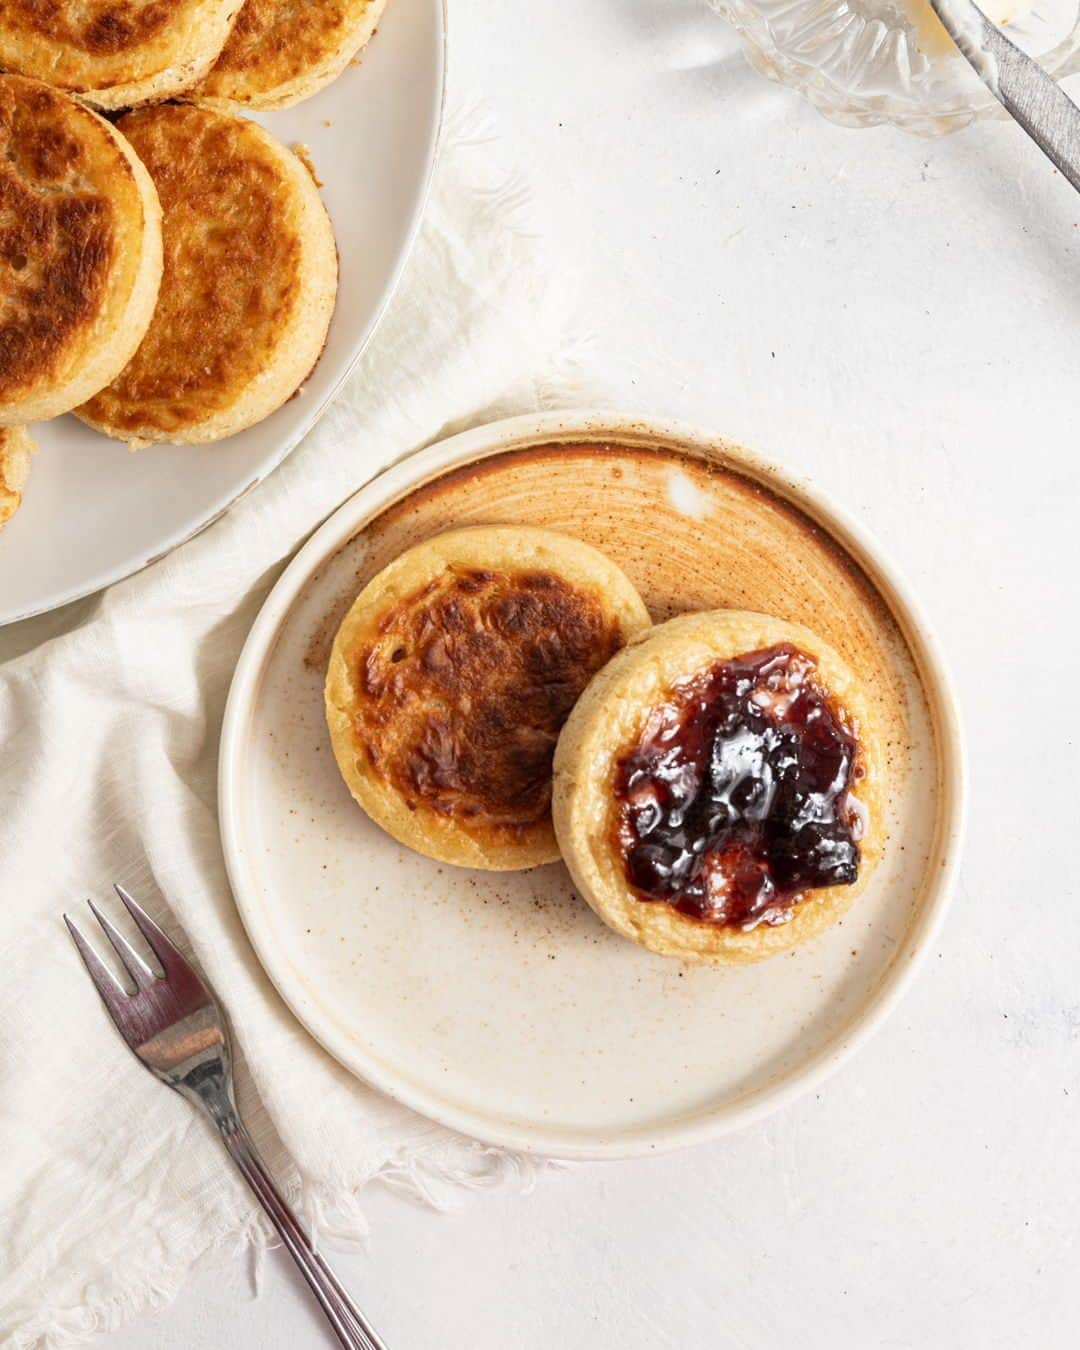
897 318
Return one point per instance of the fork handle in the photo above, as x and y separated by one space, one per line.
344 1316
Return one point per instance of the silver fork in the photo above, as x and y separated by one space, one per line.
173 1026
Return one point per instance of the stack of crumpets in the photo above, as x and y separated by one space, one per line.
168 275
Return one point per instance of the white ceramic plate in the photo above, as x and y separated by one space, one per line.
93 512
498 1003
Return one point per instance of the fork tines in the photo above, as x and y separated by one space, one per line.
177 992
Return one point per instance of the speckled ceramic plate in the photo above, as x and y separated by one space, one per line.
93 512
498 1003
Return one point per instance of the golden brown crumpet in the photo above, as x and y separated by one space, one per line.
451 676
249 284
16 447
114 53
80 251
282 51
719 791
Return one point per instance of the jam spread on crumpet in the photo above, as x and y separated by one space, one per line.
737 799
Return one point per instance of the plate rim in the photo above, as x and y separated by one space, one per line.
483 442
121 571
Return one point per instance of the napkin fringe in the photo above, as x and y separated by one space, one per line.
439 1174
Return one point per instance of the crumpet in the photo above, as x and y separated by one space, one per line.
719 788
80 251
451 676
114 55
280 52
248 288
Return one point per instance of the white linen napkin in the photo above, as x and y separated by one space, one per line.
111 1187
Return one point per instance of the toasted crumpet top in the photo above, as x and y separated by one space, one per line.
72 222
281 51
452 675
233 277
116 52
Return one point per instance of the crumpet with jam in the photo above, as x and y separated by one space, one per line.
719 788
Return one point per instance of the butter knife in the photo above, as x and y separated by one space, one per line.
1020 85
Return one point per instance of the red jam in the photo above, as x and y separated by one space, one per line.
736 800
